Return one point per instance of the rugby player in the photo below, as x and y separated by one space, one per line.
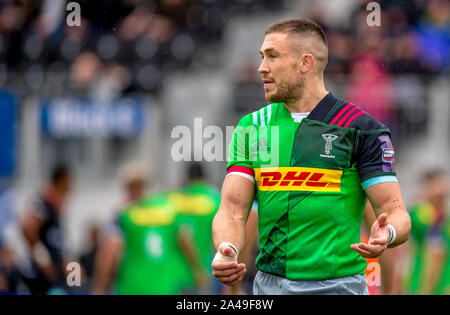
41 228
145 250
430 237
197 203
326 156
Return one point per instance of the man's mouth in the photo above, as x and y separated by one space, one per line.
268 83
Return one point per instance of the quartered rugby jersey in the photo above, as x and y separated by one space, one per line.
310 178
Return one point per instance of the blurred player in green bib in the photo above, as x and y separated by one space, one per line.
430 238
197 204
145 250
151 258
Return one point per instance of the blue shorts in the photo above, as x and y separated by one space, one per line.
267 284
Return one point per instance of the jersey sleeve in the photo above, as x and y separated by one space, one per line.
240 156
376 159
255 206
375 155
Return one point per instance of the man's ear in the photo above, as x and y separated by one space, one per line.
306 63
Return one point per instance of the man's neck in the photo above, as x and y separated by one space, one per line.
308 101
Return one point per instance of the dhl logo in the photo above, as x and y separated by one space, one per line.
298 179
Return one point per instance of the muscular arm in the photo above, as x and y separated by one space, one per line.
229 226
387 203
236 201
387 198
246 254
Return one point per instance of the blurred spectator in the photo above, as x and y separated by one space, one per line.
371 87
104 15
41 228
85 70
173 9
434 36
135 24
430 237
165 34
404 55
340 45
74 38
161 29
162 34
112 81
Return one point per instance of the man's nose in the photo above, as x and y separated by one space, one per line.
263 68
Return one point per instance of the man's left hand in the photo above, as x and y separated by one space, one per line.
378 241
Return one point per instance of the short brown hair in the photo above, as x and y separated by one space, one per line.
306 28
298 26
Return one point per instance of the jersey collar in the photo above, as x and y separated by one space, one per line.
325 107
321 112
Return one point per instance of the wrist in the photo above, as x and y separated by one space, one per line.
392 234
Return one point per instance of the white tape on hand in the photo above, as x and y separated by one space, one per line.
220 257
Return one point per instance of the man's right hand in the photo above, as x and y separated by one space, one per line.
228 272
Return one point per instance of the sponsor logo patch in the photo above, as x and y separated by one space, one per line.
388 153
298 179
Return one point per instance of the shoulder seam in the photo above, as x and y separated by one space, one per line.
369 132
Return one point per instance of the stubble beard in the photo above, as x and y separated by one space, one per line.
286 92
